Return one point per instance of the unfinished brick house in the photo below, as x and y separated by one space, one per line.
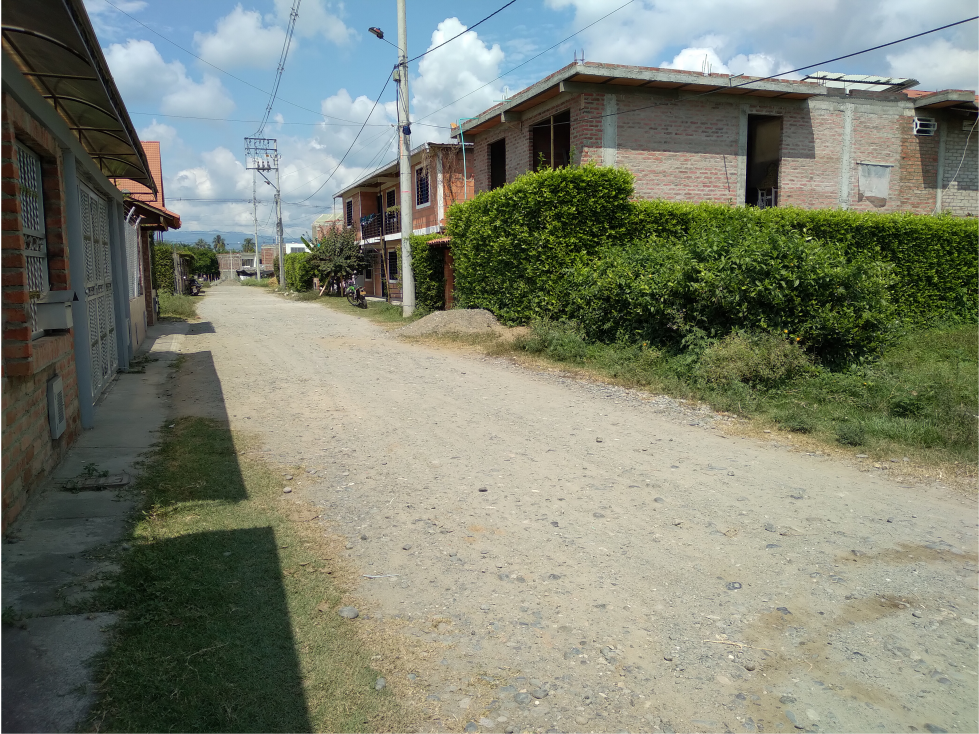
867 144
65 134
371 206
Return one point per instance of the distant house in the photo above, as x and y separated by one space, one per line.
67 234
323 222
829 141
147 212
372 207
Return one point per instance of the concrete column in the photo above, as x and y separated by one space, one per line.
610 130
79 308
742 154
120 278
846 153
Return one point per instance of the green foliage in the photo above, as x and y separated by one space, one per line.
722 279
336 256
248 245
175 306
163 267
256 283
511 246
299 271
761 360
934 258
202 243
205 262
219 244
428 267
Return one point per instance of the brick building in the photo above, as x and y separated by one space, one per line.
441 176
65 232
323 222
820 143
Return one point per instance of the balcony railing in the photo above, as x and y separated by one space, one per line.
377 225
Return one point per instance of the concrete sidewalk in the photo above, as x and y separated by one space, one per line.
48 560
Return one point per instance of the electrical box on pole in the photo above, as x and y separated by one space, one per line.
261 154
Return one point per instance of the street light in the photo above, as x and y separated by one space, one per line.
380 34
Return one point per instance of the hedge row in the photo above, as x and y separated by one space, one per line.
299 271
163 268
427 265
934 257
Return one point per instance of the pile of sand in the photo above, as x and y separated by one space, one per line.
456 321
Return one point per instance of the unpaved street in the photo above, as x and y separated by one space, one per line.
576 557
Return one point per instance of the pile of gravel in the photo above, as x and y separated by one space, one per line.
456 321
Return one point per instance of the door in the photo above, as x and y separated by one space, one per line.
98 289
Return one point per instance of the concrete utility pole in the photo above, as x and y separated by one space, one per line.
278 215
407 193
258 267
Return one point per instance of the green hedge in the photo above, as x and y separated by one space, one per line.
163 268
428 267
299 271
934 258
512 246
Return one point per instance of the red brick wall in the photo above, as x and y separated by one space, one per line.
29 453
917 187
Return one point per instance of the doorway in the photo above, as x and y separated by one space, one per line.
497 161
763 160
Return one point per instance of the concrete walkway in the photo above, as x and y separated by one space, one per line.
49 561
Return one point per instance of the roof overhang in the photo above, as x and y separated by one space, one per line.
388 173
590 77
54 46
154 217
958 98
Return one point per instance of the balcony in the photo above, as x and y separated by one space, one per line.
376 225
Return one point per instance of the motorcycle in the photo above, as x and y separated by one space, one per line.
194 287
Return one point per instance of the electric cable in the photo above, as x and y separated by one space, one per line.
361 147
463 32
307 124
524 63
293 16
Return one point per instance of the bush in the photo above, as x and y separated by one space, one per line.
163 268
174 306
511 246
759 360
724 279
299 271
428 268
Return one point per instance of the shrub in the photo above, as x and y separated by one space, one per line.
511 246
563 341
299 271
851 434
428 268
175 306
759 360
163 268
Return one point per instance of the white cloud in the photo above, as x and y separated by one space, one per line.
940 63
144 77
697 59
446 74
317 18
241 41
705 58
105 18
165 134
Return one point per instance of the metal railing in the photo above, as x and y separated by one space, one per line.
377 225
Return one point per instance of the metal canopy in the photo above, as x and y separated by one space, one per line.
54 46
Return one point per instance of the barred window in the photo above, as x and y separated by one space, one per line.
32 226
350 212
421 186
390 196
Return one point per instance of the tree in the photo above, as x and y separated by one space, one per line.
336 257
248 245
219 244
202 243
205 262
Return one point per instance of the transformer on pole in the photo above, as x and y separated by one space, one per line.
261 154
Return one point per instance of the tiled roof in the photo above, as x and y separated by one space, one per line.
137 190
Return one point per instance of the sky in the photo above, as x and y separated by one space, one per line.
197 76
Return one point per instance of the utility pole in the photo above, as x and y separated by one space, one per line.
258 266
407 193
261 155
278 215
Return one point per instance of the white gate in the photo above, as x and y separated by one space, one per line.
98 289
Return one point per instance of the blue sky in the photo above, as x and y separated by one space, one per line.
336 69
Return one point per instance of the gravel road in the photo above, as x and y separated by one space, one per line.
582 557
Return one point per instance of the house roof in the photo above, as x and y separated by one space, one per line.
152 204
327 218
961 99
54 46
389 171
590 76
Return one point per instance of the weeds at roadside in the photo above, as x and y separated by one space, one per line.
228 602
177 307
256 283
377 311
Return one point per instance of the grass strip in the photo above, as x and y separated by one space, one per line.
176 306
377 311
228 600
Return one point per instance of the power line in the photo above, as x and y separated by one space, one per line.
463 32
293 15
388 79
308 124
532 58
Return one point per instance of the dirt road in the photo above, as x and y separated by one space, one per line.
577 557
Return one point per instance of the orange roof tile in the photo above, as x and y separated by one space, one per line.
137 190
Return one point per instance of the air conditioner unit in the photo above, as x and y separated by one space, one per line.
925 126
56 407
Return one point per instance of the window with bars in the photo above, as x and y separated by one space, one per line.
390 198
392 265
350 212
421 186
32 226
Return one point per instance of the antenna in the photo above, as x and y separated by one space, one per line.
705 67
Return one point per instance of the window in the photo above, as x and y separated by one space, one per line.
390 199
392 264
369 270
497 163
32 225
421 186
551 141
350 212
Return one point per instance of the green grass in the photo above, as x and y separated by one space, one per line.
919 396
228 606
377 311
256 283
175 306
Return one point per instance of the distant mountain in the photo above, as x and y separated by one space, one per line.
234 240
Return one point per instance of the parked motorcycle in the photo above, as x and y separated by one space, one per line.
194 287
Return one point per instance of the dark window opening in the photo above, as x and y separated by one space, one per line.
421 186
392 264
379 207
497 161
764 157
350 212
369 270
390 196
551 141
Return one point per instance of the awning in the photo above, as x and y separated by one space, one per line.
53 44
157 218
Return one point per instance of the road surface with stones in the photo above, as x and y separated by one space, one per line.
579 557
